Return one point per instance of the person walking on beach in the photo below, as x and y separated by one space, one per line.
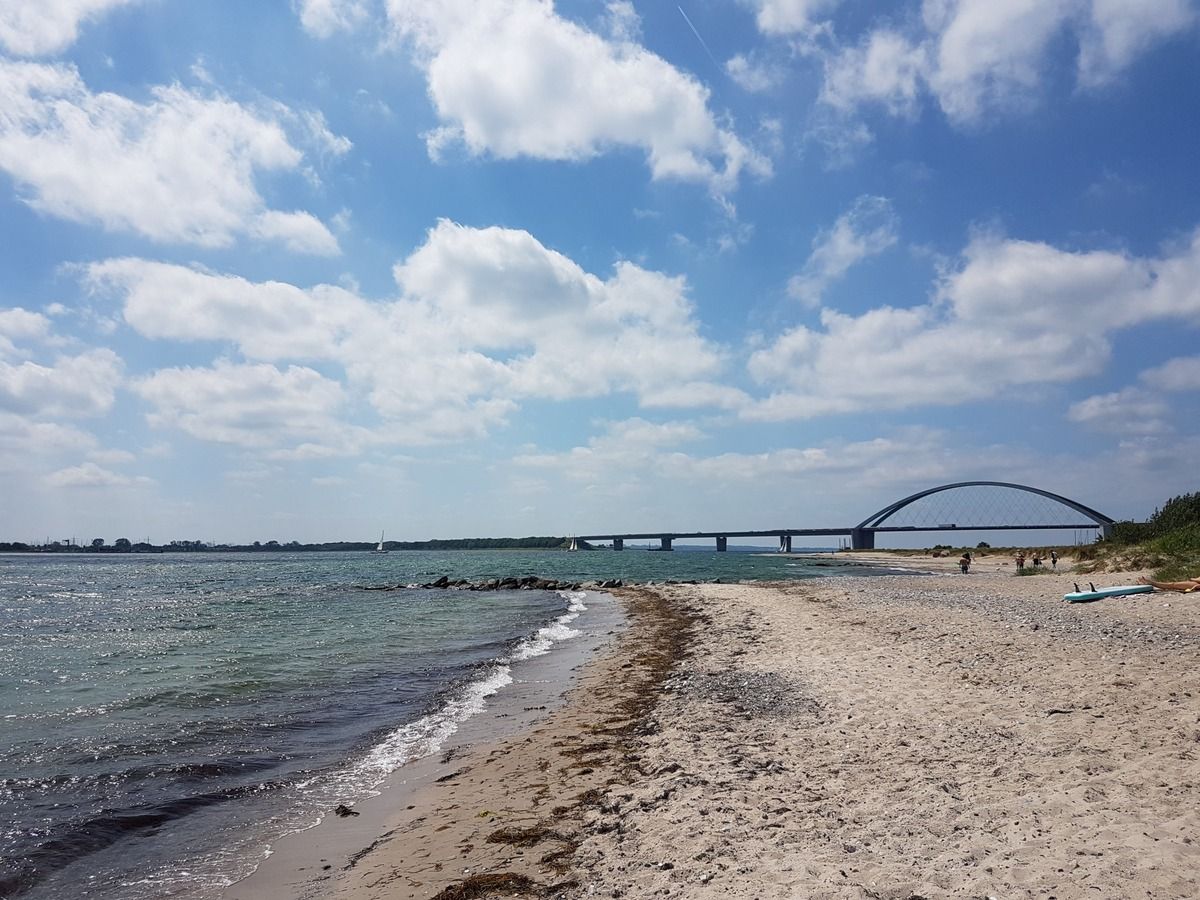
964 563
1021 561
1053 559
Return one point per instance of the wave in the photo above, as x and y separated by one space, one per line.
428 734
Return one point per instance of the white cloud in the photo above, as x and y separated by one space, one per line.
1129 411
20 324
82 385
37 27
22 440
178 169
866 229
628 445
1140 409
1015 313
979 57
486 318
786 17
247 405
1118 31
752 75
300 232
1179 374
323 18
885 69
88 474
513 79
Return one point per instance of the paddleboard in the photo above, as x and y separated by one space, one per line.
1119 591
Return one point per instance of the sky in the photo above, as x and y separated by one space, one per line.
317 269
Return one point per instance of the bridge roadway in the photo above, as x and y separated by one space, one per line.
861 538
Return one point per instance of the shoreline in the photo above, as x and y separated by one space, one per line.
876 736
418 808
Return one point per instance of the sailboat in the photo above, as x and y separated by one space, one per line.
379 546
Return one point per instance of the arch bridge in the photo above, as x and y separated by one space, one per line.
996 514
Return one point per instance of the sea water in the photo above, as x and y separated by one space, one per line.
164 717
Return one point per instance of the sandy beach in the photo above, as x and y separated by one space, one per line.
903 736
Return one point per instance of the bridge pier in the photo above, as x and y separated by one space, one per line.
722 544
785 543
862 539
665 543
618 543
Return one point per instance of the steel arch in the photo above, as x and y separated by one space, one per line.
875 520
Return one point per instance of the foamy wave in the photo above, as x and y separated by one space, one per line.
545 638
428 734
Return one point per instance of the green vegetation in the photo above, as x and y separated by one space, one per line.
1168 542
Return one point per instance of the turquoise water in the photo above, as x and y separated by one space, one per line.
164 716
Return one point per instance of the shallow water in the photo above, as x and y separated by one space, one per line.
162 717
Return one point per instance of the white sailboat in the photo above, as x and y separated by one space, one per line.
379 546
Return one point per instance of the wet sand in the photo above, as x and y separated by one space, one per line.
889 737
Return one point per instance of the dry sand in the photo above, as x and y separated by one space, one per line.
888 737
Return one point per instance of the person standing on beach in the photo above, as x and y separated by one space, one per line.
964 563
1021 561
1054 559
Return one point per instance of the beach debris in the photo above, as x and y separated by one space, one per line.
527 837
342 811
754 694
483 885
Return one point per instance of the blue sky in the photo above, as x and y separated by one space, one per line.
309 270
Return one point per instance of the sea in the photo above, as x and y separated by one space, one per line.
165 717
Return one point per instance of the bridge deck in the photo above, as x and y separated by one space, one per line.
795 532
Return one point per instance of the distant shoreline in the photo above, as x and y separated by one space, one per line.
527 543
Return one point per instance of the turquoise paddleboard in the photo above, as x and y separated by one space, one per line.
1119 591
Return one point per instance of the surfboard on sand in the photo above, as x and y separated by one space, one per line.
1120 590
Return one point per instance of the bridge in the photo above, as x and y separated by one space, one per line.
988 516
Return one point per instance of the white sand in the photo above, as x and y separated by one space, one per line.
896 737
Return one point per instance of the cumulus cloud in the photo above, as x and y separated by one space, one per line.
324 18
886 69
37 27
247 405
977 57
1144 408
1117 32
751 74
180 168
790 17
486 318
914 456
17 324
1013 313
513 79
23 439
866 229
627 445
89 475
82 385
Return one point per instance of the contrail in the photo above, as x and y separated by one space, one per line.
697 34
